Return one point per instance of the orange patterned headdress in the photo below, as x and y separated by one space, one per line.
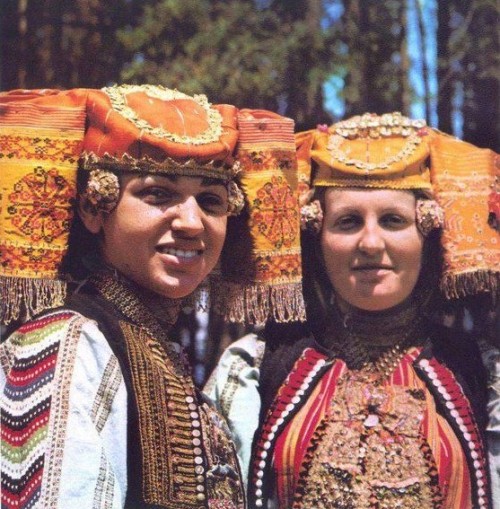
46 136
261 262
394 152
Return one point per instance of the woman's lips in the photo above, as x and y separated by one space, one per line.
372 270
181 253
177 257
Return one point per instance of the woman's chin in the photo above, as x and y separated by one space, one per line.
375 302
177 288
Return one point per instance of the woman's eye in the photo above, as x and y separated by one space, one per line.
213 203
156 195
345 223
394 221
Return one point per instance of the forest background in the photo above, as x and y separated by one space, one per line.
316 61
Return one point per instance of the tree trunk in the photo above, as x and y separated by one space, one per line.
356 25
404 73
444 71
425 67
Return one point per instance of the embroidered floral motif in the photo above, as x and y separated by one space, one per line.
222 477
276 213
272 268
39 205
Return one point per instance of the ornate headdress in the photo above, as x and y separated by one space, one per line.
47 135
261 261
394 152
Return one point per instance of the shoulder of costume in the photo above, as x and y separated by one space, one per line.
457 358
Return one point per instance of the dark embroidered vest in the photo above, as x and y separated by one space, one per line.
179 453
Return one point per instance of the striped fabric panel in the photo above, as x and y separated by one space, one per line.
34 115
25 410
266 131
292 444
446 449
103 496
106 393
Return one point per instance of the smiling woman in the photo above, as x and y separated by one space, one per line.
176 225
98 405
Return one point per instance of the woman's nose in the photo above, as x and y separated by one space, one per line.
371 240
188 217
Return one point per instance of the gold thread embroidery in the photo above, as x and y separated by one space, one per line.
335 142
369 451
189 168
168 457
117 96
224 482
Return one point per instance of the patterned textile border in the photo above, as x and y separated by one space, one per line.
38 185
263 270
463 176
32 436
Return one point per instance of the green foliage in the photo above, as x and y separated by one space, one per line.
232 51
274 54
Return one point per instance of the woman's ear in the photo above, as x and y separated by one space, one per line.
91 218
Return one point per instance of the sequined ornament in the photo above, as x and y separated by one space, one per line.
429 216
103 190
368 450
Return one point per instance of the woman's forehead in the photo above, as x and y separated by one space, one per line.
174 179
369 197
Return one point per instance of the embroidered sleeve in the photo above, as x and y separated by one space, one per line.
63 441
233 387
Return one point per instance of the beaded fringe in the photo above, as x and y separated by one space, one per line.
25 297
456 286
256 303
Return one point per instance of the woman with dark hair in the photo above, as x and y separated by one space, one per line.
373 403
98 405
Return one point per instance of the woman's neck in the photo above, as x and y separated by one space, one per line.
362 336
137 304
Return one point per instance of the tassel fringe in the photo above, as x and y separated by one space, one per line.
25 297
256 304
471 283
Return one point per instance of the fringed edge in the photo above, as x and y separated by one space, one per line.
455 286
25 297
258 303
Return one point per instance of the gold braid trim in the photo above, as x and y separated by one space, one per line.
164 396
188 460
189 168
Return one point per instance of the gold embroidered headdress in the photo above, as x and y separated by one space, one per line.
47 135
394 152
261 261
